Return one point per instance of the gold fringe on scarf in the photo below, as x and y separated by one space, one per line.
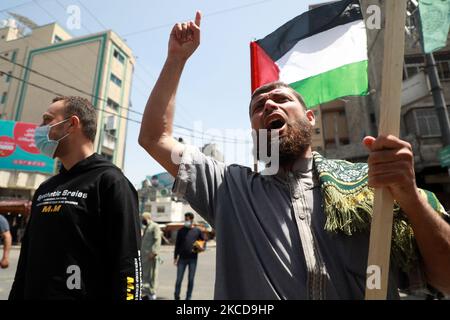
348 205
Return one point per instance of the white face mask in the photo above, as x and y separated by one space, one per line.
44 143
188 224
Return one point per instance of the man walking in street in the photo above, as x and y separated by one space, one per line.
151 245
303 232
83 239
186 254
5 234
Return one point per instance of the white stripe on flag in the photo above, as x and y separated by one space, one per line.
324 51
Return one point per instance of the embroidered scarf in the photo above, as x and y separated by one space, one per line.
348 202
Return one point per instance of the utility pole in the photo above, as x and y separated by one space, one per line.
438 98
436 88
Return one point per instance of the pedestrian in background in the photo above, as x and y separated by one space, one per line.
6 240
190 241
151 245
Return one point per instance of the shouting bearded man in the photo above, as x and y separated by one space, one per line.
302 233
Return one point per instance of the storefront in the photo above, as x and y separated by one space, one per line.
17 213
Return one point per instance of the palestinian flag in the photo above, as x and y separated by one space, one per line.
322 54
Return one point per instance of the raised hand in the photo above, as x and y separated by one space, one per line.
185 38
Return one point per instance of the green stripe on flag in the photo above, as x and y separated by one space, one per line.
348 80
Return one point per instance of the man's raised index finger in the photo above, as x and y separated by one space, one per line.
198 18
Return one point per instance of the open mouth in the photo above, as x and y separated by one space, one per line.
276 124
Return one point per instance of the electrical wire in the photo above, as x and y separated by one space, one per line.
214 137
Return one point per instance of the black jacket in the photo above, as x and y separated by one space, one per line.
185 242
83 237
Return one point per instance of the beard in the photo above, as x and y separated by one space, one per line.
295 142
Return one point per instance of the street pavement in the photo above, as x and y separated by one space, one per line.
7 275
204 277
203 285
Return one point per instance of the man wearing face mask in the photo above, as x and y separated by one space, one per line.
151 245
83 238
186 254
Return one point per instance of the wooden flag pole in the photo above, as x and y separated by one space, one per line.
391 90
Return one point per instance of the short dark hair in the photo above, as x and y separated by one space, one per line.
84 110
276 85
189 215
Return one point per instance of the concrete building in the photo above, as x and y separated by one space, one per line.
101 65
40 62
342 124
46 61
156 197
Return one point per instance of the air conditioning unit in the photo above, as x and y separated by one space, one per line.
111 123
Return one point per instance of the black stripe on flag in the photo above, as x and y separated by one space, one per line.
317 20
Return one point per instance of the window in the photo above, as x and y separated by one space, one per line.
335 127
8 77
112 104
413 69
415 64
443 64
414 59
427 123
443 69
116 80
119 57
14 55
160 209
57 39
3 100
110 125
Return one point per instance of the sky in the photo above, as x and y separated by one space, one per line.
214 91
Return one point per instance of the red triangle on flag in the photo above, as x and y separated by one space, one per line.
263 68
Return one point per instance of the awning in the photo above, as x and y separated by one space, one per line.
15 206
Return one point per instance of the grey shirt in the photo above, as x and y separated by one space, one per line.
271 242
151 240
